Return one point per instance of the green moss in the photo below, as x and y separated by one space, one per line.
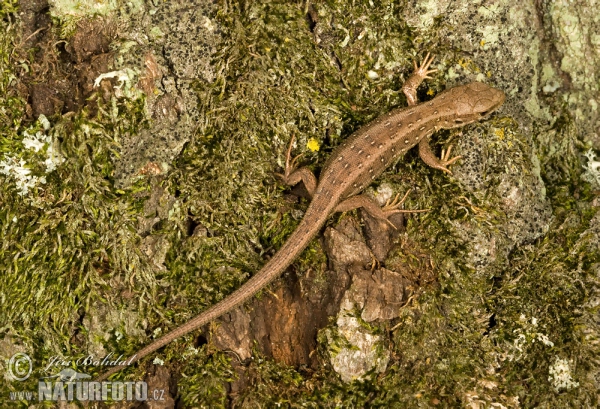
206 387
70 241
7 8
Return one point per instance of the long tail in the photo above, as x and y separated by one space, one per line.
313 220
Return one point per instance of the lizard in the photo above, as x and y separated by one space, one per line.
351 167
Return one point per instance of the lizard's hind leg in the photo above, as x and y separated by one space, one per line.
371 207
293 176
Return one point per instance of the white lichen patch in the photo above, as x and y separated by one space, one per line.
592 169
53 157
365 353
35 142
372 75
81 8
38 148
383 193
190 351
361 351
560 375
120 75
526 335
127 79
17 170
490 36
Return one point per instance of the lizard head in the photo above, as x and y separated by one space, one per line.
469 103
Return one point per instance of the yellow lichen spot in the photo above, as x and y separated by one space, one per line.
499 133
430 92
482 43
463 63
313 144
286 40
489 74
267 49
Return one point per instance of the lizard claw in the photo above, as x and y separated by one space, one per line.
394 206
445 159
423 70
290 163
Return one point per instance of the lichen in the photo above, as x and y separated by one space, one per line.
592 169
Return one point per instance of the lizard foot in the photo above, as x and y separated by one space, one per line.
429 158
446 161
371 207
292 176
290 163
421 72
394 206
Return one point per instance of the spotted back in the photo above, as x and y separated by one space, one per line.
362 157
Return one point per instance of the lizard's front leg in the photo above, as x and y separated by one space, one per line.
429 158
410 90
418 76
293 176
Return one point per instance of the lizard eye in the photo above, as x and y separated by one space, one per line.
458 121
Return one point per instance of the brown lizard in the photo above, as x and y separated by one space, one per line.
351 167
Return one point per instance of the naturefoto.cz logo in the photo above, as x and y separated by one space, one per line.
69 384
